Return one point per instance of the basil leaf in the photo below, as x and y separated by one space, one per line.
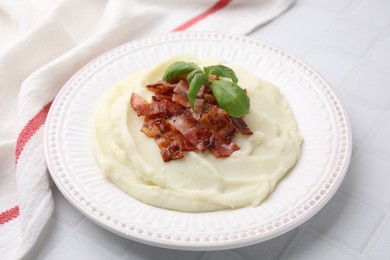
196 80
222 72
178 69
231 98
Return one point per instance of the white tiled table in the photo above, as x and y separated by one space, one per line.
348 42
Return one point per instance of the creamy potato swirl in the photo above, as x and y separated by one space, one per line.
198 182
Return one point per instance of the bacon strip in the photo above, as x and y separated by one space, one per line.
171 142
224 150
195 133
241 126
181 87
161 87
219 122
142 106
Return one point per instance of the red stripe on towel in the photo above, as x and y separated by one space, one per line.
9 215
30 129
217 6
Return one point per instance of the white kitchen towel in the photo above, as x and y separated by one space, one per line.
42 44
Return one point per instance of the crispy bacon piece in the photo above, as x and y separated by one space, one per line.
223 129
180 94
201 91
181 99
162 106
142 106
219 123
209 98
168 108
224 150
161 87
181 87
158 97
177 128
198 105
241 126
172 143
192 130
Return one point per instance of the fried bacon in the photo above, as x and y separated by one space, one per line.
177 128
172 143
192 130
241 126
142 106
161 87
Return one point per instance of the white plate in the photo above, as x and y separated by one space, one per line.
322 121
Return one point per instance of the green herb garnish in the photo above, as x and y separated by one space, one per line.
230 96
178 69
221 71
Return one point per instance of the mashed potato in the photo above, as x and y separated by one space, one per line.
198 182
